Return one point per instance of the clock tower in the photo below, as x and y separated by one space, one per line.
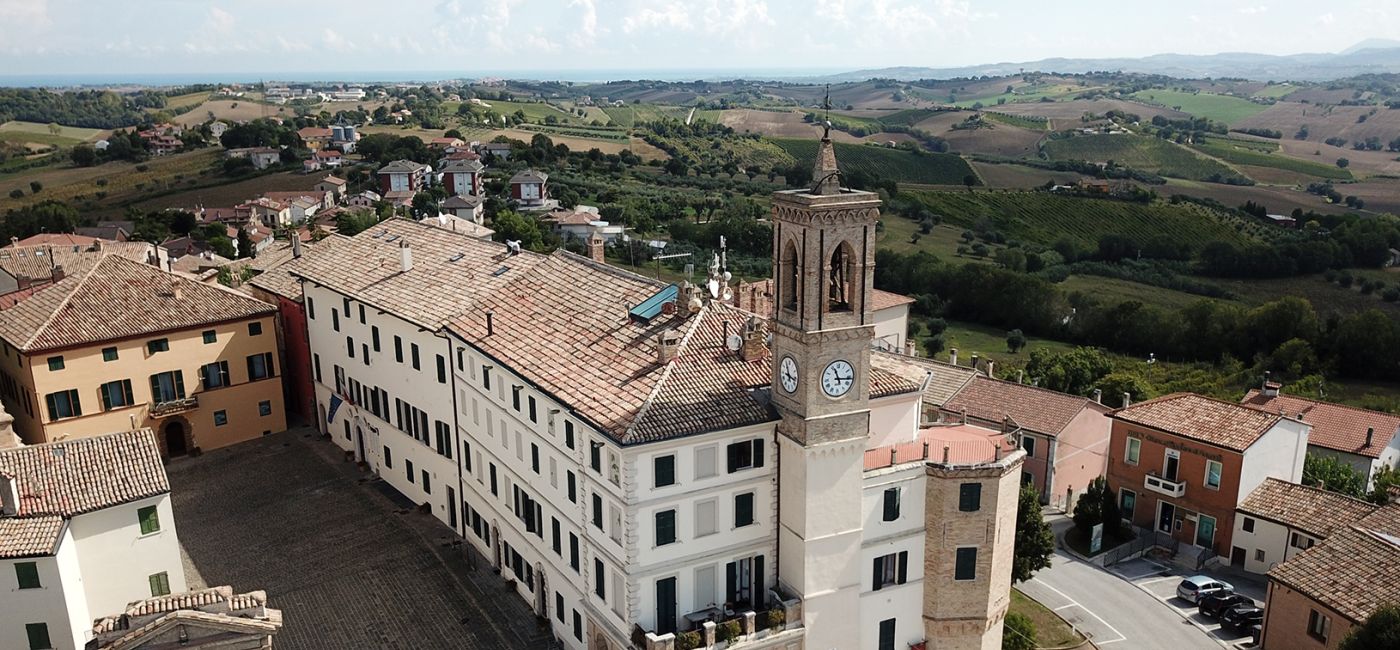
823 263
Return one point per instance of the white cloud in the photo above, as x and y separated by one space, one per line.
668 15
1254 10
587 33
25 13
334 41
292 45
219 20
1327 19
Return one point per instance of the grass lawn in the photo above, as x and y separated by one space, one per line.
1240 152
1221 108
1277 91
1051 631
35 132
986 342
1114 289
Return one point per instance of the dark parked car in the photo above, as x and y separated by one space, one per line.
1215 603
1241 618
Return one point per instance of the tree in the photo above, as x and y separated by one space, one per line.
1386 480
1088 510
512 226
1074 371
1343 163
1111 513
970 181
84 155
1035 542
245 244
1018 632
1381 631
35 187
1015 340
1334 475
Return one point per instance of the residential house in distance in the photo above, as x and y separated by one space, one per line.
217 129
727 472
108 230
315 138
208 618
365 199
463 177
500 150
118 344
530 190
85 528
334 186
54 239
329 158
446 143
1181 465
581 223
264 157
464 207
1065 437
1315 599
1365 440
402 176
1279 520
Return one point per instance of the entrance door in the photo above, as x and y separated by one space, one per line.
1237 557
1171 466
452 508
1166 512
175 439
360 442
665 605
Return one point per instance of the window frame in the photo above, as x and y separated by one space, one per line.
751 499
33 580
1132 451
657 463
958 559
664 526
1219 475
148 518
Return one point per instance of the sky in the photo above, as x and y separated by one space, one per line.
231 36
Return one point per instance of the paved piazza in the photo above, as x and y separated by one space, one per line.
350 564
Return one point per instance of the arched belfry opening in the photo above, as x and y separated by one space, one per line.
841 272
790 277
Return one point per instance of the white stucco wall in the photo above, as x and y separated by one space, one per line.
891 327
894 419
902 602
1278 453
58 602
1269 537
117 561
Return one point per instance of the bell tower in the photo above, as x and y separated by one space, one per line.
823 262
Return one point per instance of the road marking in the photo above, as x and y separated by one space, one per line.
1075 603
1148 582
1065 607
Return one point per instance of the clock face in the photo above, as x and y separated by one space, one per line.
787 374
838 378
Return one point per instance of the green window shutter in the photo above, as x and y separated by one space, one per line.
160 584
38 634
149 518
970 497
27 574
179 384
106 392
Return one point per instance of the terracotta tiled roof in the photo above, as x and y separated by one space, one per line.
314 132
29 536
572 217
1334 426
366 267
1352 571
885 300
529 176
967 445
235 616
82 475
460 201
1312 510
944 380
35 262
333 180
1212 421
463 166
888 378
275 264
402 167
54 239
1039 410
117 298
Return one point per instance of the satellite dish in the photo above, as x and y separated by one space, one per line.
714 288
734 342
728 295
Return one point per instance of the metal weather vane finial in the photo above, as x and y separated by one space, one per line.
826 119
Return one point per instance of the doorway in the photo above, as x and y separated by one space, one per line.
175 439
360 442
1166 512
1237 557
666 605
1171 465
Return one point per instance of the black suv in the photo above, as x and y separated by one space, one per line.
1214 604
1241 618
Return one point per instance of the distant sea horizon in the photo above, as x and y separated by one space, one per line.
161 79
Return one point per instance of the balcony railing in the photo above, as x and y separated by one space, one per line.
714 630
1163 486
171 407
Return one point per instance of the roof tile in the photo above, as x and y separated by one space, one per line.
1334 426
1212 421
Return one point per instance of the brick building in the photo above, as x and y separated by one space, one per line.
1182 463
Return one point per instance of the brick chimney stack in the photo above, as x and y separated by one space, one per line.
668 345
596 248
755 341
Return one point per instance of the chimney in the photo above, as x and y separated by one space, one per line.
405 257
1271 388
490 323
1098 396
596 248
9 496
754 345
175 288
668 344
991 366
1127 400
953 356
1021 376
964 416
14 241
58 272
97 245
974 361
945 454
1370 435
911 349
296 246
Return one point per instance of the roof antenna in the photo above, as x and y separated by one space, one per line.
826 119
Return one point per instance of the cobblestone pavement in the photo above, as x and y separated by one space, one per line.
350 566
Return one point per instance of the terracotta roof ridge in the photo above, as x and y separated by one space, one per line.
694 326
69 441
1317 490
1314 403
1083 401
80 281
607 268
1183 394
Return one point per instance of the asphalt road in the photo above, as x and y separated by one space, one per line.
1114 613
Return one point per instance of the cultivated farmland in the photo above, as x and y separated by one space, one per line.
1242 152
1144 153
883 163
1221 108
33 132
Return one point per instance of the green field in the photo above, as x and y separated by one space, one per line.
1221 108
186 100
882 163
1276 91
631 114
1043 218
1242 152
39 133
1023 121
1144 153
534 111
572 131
